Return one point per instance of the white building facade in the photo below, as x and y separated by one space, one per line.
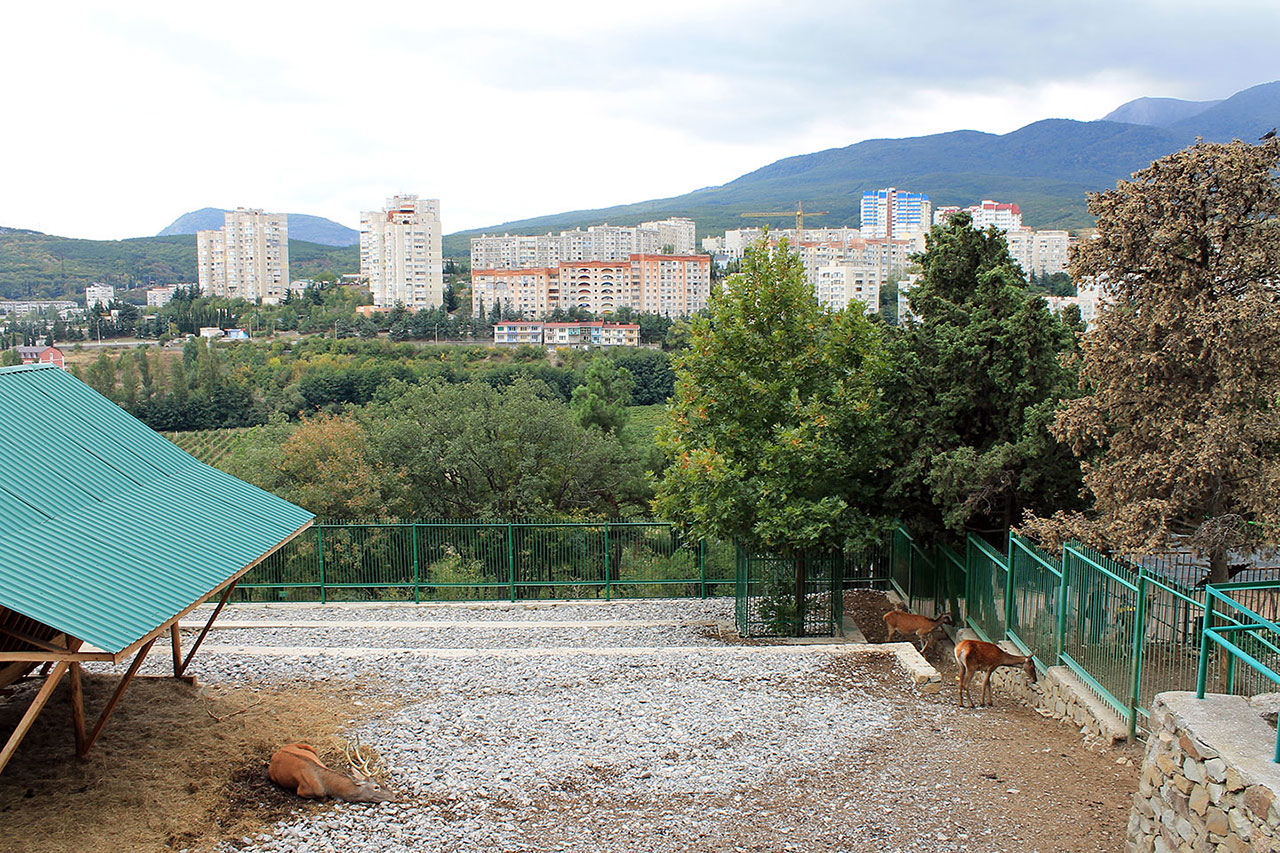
247 259
597 243
400 253
98 293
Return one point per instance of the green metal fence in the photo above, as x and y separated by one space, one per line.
476 560
767 603
1127 630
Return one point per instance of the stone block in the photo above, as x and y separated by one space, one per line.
1168 766
1185 829
1180 803
1161 846
1199 800
1240 824
1232 779
1216 791
1197 750
1258 799
1183 784
1216 769
1194 770
1215 820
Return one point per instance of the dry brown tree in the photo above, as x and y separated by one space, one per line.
1179 427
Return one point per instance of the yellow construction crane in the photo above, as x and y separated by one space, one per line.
798 213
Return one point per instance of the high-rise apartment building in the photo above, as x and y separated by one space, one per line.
400 254
673 285
985 214
597 243
98 293
895 214
247 259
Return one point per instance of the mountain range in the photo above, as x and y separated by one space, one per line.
311 229
1046 167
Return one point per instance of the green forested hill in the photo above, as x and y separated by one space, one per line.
35 265
1045 167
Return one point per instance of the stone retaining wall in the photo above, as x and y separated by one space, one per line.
1208 782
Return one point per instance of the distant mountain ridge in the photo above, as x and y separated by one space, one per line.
1046 167
1158 112
312 229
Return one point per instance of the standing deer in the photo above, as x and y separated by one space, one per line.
904 623
298 768
975 656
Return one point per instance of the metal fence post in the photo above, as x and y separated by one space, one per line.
511 559
1009 563
702 565
608 588
1139 630
1060 641
1202 671
320 551
414 544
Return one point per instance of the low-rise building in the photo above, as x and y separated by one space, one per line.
158 297
41 354
576 334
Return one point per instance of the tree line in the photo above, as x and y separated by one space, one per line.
796 428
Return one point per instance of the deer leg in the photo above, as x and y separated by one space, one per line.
986 688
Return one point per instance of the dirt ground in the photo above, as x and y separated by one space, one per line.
176 766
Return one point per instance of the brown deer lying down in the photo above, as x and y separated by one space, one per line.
298 768
904 623
975 656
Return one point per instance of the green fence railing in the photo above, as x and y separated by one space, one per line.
1128 631
476 560
1242 634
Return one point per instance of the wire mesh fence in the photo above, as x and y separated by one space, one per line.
477 560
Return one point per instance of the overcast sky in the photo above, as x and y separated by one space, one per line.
120 117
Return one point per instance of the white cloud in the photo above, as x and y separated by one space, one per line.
121 118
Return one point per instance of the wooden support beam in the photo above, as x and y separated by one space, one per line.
177 649
24 725
115 698
77 706
226 596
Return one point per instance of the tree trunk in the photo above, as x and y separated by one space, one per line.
1217 567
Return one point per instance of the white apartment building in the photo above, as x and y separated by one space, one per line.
679 233
1049 252
839 285
400 253
985 214
98 293
890 213
597 243
247 259
674 285
158 297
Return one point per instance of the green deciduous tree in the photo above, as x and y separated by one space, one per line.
1179 428
776 436
976 383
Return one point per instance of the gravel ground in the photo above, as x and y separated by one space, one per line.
661 737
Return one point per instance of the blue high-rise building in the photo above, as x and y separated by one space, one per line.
894 214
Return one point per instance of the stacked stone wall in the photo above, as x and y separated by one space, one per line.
1207 779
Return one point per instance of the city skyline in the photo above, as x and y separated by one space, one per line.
141 109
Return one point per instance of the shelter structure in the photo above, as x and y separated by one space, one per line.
109 534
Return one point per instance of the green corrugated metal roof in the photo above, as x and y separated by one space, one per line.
107 530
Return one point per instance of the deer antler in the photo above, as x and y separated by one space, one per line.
356 757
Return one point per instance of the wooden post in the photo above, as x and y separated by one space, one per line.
24 725
77 707
221 603
115 699
177 649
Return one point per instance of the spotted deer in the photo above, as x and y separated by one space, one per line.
298 768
